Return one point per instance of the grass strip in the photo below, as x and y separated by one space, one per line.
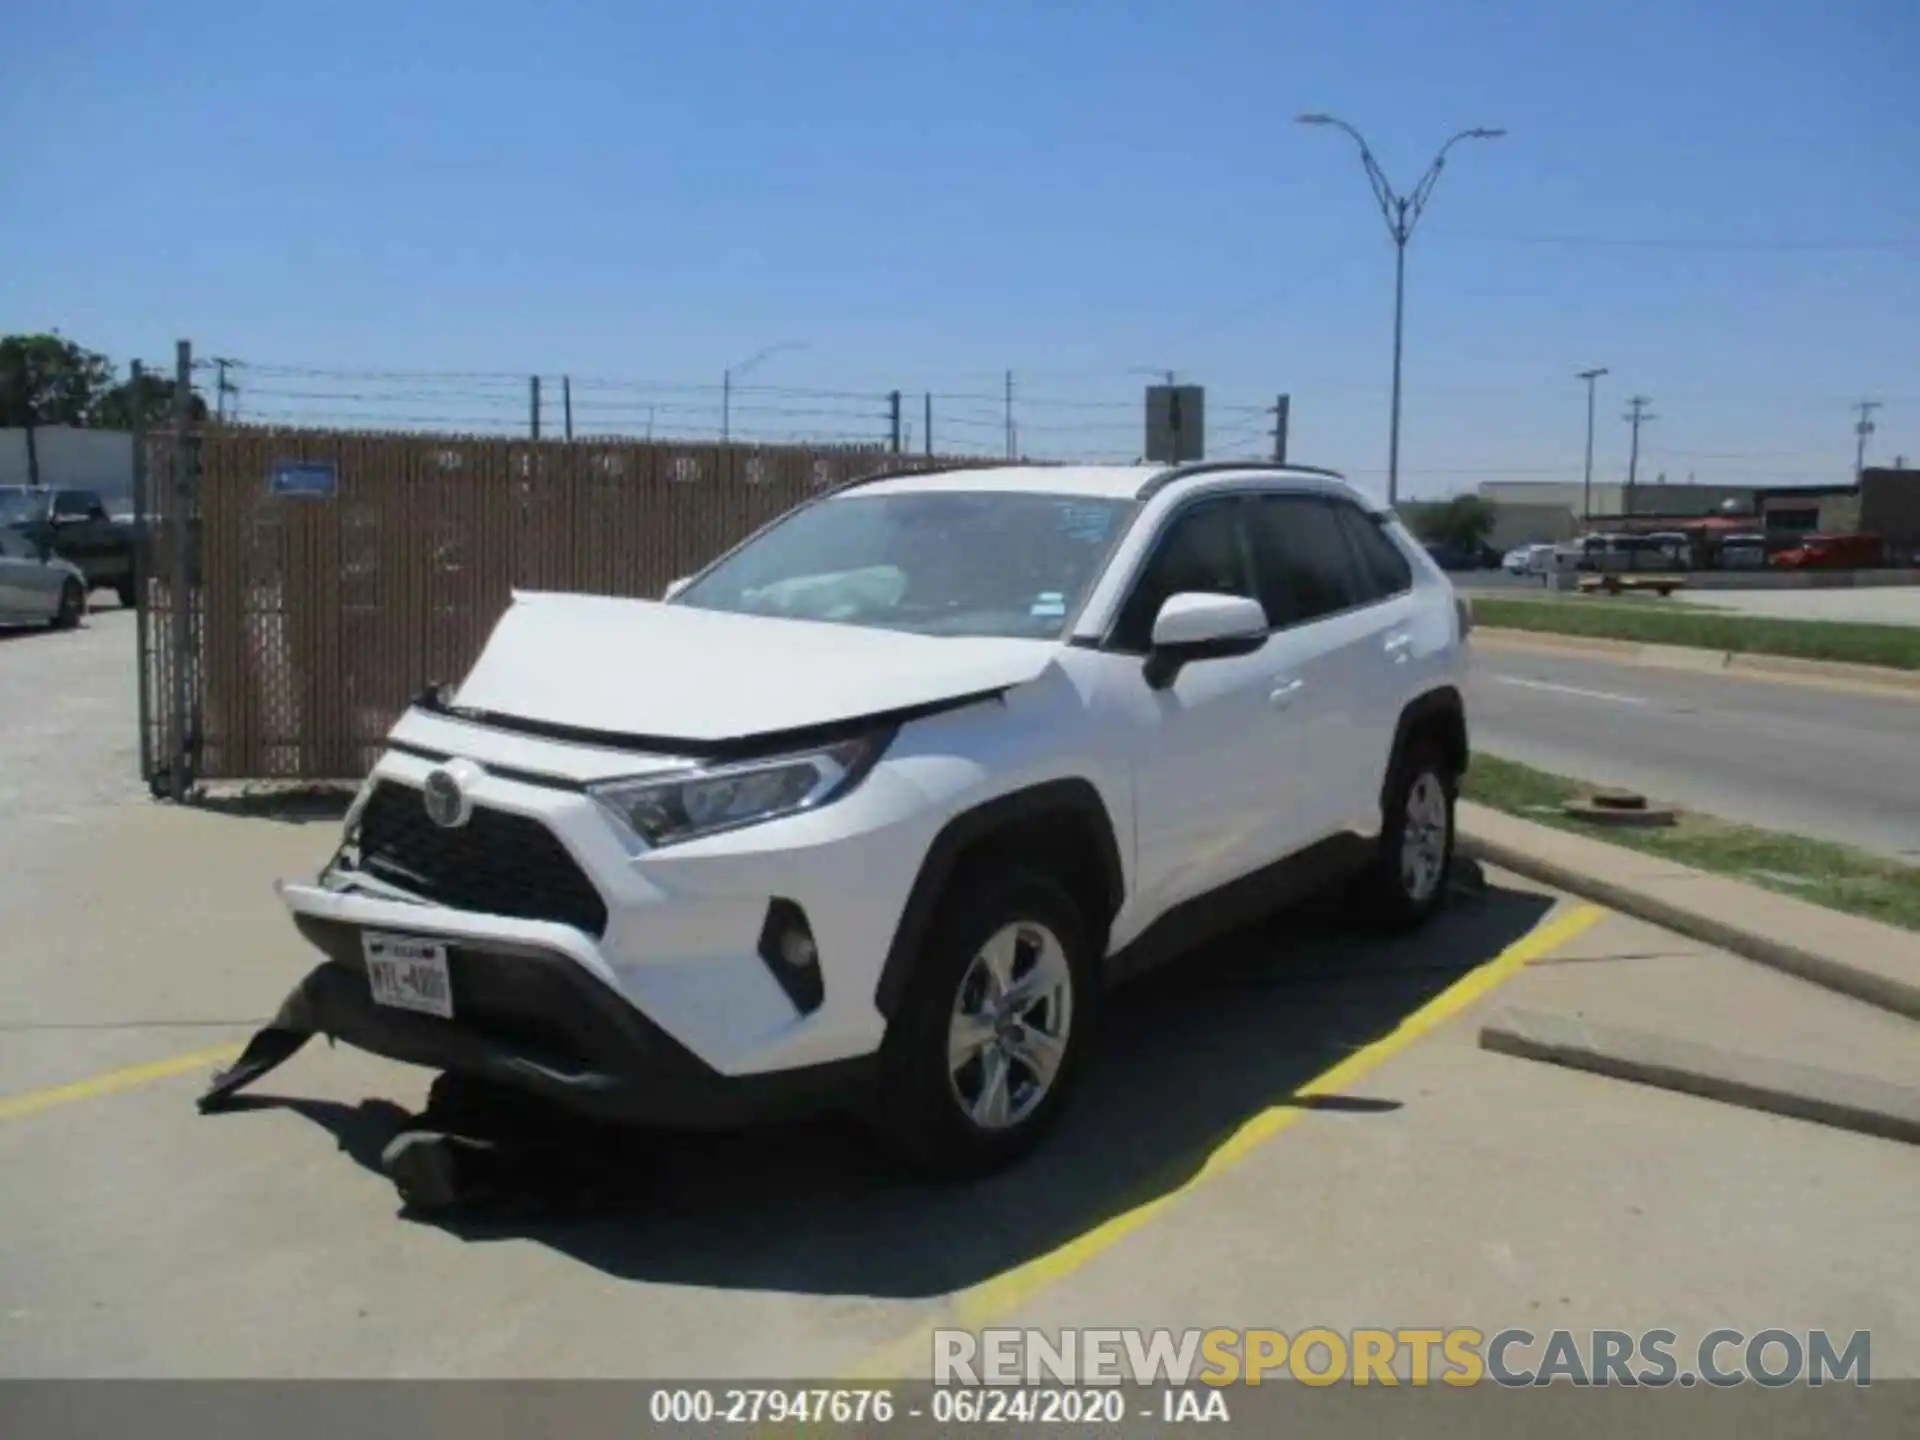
1818 871
1666 622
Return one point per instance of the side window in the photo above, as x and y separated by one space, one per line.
1306 568
72 504
1383 568
1205 550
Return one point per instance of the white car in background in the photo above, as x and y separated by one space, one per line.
37 587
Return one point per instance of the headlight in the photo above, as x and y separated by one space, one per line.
664 810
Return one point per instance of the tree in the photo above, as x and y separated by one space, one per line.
150 408
1464 521
47 380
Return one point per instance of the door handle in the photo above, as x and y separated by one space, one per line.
1286 694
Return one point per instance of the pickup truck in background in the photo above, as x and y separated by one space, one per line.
74 525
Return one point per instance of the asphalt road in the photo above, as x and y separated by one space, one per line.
1836 765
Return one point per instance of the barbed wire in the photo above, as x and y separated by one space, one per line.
1107 422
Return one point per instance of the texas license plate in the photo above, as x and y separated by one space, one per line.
408 974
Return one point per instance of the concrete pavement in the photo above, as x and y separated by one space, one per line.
1295 1128
1828 763
1459 1182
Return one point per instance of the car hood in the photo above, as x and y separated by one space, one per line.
655 672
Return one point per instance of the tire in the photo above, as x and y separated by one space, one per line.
942 1119
73 604
1402 890
124 589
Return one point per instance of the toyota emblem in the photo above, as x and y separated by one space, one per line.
445 799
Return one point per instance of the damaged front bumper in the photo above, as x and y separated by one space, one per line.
530 1011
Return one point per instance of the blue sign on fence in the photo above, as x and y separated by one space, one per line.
318 478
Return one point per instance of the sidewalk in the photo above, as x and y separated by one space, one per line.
1869 961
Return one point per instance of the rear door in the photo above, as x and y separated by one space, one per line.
1309 587
1400 662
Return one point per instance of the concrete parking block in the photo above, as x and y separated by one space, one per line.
1758 1082
1869 961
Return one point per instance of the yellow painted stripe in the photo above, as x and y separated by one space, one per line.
13 1107
993 1299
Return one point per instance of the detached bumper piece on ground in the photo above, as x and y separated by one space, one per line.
477 1146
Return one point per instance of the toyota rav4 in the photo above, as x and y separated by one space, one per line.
875 807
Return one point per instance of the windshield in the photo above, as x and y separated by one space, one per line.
1010 564
18 506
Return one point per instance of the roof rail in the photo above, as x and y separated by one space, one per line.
1209 467
905 472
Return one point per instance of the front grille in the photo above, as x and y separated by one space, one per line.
497 863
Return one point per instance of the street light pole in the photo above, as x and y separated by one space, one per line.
1402 213
726 381
1586 489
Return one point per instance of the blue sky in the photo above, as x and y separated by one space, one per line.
1717 200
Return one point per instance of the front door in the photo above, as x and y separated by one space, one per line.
1217 760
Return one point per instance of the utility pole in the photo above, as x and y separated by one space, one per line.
893 410
1586 489
1402 213
566 402
927 427
1282 413
1009 414
533 406
1862 428
1636 416
222 387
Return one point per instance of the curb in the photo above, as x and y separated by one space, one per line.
1827 1097
1904 684
1886 991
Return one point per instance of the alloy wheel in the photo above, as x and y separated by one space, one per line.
1011 1018
1423 839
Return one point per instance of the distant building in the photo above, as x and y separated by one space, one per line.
1890 507
1833 509
99 460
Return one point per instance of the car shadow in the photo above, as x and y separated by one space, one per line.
1186 1057
294 803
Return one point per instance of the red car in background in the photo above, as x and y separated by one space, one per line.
1834 552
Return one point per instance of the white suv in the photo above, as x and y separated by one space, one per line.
873 808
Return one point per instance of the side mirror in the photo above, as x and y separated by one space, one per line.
676 587
1196 626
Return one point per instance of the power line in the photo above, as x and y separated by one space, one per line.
1599 242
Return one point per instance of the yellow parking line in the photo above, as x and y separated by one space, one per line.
992 1299
13 1107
